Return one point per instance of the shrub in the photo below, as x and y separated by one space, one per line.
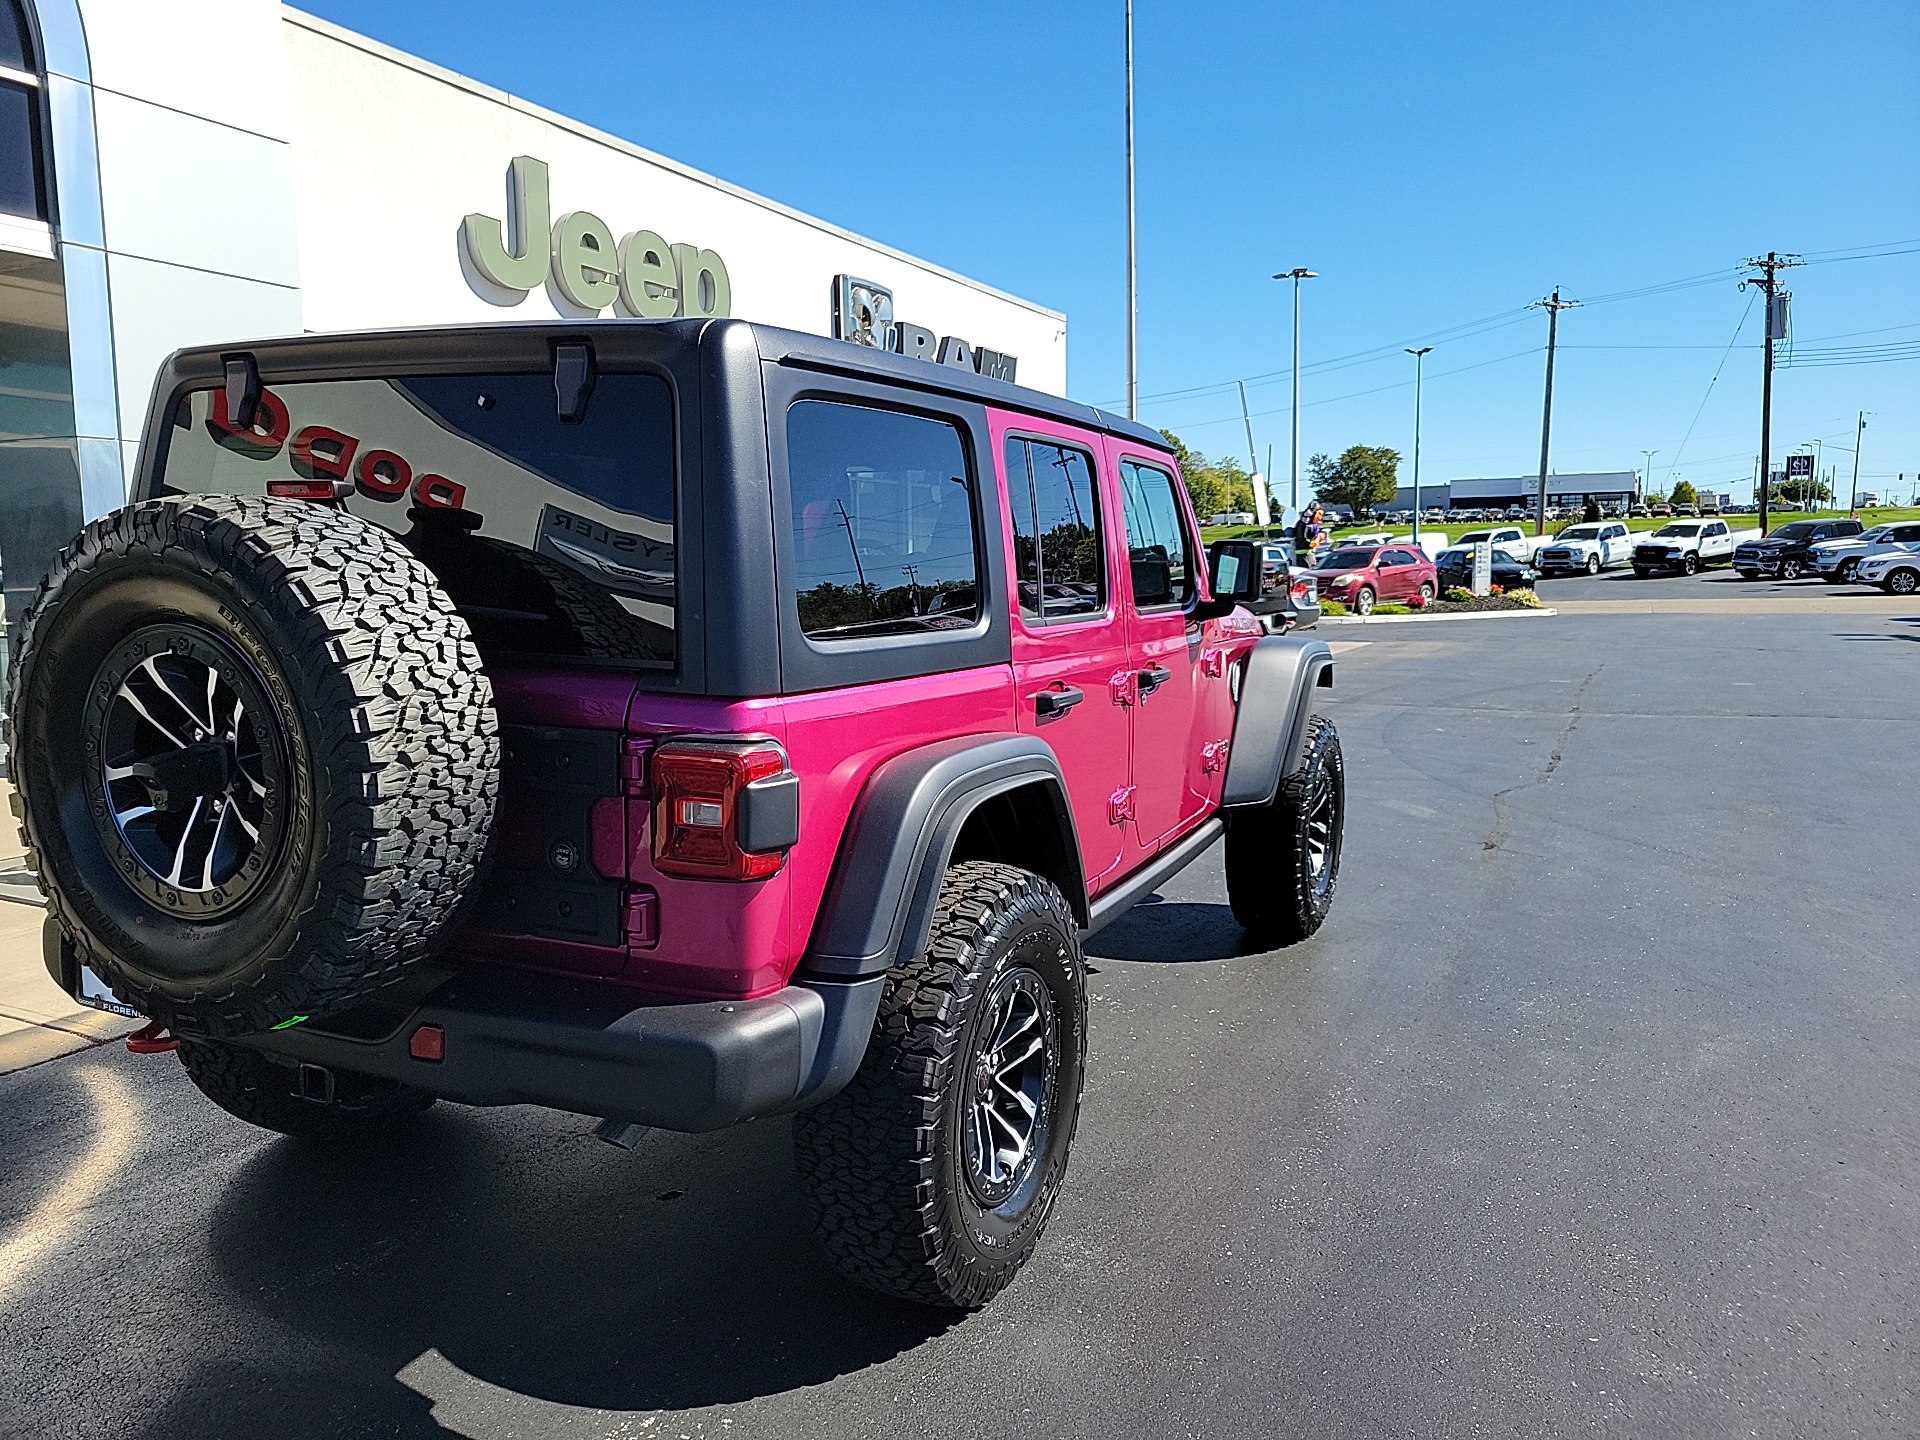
1416 602
1525 597
1331 607
1495 590
1393 609
1458 593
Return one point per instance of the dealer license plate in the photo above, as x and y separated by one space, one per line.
93 992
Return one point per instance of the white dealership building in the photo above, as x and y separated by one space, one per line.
182 173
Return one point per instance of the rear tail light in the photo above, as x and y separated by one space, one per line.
722 809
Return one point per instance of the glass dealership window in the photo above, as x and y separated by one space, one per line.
883 525
22 181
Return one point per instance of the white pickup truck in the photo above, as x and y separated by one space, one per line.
1510 538
1687 546
1593 546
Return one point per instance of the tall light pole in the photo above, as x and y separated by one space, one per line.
1419 369
1646 476
1296 275
1133 336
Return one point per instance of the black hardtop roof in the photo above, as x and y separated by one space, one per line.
524 344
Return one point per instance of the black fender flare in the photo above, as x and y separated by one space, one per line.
1270 723
879 902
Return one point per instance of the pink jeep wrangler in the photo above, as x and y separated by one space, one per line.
673 723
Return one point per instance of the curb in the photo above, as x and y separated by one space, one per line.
1432 619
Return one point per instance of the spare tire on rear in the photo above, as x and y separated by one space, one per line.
256 758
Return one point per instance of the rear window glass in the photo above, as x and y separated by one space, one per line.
883 522
554 541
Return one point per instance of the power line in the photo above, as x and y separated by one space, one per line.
1674 469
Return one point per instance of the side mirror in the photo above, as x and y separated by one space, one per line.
1233 574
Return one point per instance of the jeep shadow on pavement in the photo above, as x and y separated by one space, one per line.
674 723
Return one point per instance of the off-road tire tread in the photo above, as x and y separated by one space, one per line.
1274 901
398 712
252 1088
868 1158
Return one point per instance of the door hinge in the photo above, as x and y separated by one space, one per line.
1125 687
1212 756
1214 663
1120 805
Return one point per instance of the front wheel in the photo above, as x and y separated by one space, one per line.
1691 565
1789 569
1903 582
1283 858
1642 571
1847 568
1593 564
931 1176
1363 601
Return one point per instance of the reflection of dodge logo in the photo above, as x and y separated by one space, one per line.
618 560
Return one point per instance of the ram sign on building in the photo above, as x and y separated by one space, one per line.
176 175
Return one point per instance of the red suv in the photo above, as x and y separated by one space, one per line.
1358 576
673 723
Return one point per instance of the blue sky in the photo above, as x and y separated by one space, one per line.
1438 164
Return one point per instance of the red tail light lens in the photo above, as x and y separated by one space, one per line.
698 788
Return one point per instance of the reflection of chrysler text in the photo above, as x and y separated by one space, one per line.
623 562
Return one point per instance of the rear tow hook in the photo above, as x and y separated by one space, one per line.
152 1039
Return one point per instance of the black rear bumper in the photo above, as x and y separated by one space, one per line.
514 1038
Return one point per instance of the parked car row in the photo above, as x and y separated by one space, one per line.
1872 556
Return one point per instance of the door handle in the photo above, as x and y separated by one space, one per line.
1152 678
1057 702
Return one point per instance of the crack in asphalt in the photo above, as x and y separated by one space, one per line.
1502 814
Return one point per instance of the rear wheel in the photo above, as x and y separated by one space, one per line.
1283 858
1363 601
267 1093
931 1176
1427 592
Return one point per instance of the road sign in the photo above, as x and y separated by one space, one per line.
1800 467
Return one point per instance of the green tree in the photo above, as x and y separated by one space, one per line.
1213 485
1363 477
1684 493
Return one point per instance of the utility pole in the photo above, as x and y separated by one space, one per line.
1253 458
1853 501
1553 305
1297 274
1776 329
1419 371
1133 336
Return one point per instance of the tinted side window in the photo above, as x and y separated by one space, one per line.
883 526
1907 534
1059 566
1157 544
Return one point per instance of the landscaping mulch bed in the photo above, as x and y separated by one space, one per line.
1481 602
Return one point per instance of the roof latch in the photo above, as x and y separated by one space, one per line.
243 390
573 377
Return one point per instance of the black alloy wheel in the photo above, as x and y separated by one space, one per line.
1009 1100
1691 564
191 764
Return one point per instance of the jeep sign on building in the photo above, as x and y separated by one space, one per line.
169 179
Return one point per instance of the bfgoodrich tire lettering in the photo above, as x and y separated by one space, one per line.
892 1166
359 683
1283 859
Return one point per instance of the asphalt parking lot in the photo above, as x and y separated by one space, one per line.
1592 1111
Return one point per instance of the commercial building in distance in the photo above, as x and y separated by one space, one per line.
1609 487
177 175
